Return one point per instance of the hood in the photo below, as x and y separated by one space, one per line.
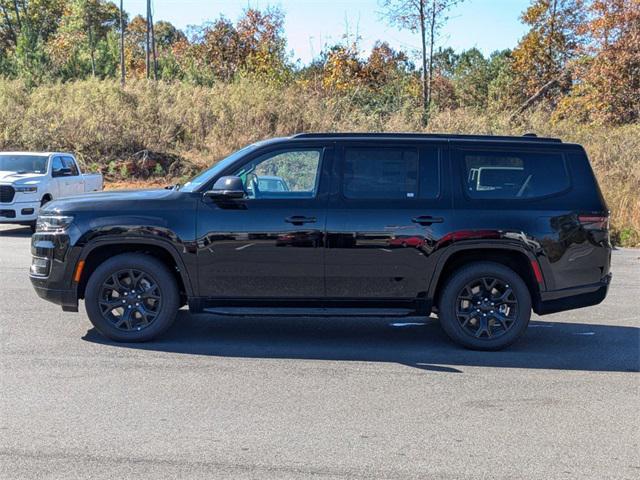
13 177
116 200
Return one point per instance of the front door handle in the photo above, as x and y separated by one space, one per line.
427 220
300 220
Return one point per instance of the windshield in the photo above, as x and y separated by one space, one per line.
23 163
208 174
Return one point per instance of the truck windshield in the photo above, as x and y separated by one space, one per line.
23 163
208 174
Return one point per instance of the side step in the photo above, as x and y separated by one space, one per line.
310 312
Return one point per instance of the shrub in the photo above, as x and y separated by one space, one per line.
184 128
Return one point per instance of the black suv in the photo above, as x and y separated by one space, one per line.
478 229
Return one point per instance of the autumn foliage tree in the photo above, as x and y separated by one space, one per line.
609 69
552 42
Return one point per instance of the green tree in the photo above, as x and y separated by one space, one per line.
426 17
472 78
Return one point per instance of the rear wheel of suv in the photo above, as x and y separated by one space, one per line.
485 306
132 298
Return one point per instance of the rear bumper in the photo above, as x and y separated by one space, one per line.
571 298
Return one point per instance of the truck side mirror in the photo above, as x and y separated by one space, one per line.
227 188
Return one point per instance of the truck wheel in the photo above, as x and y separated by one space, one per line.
485 306
132 298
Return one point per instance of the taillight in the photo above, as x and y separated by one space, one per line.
594 222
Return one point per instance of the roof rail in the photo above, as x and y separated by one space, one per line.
527 137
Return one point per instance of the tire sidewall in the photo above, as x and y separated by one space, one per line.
154 269
448 299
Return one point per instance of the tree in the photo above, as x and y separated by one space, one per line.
426 17
40 17
384 66
552 42
123 72
82 35
471 79
608 69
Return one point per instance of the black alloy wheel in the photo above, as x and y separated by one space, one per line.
132 297
484 306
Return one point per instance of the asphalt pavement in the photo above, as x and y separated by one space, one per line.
361 398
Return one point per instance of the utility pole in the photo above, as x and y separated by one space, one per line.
153 46
148 40
122 72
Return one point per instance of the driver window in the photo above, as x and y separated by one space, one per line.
56 166
290 174
71 165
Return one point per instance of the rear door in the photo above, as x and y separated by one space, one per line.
390 204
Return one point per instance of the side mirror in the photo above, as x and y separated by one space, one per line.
227 188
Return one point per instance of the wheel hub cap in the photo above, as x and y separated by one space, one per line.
486 308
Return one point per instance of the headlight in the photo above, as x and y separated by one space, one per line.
26 189
53 223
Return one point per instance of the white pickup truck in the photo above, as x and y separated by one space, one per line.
28 180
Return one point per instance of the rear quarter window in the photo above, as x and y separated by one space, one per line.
512 175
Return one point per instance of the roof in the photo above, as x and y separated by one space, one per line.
37 154
528 137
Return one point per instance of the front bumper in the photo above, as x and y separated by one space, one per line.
67 299
56 285
19 212
571 298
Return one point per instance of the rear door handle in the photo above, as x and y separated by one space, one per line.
427 219
300 220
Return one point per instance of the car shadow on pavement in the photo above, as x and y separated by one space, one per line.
414 342
16 232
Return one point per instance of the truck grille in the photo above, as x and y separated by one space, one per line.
6 193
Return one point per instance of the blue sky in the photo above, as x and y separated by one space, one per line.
311 24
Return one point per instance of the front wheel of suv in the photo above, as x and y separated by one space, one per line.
485 306
132 298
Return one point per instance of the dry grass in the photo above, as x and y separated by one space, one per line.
152 132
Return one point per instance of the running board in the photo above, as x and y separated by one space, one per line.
310 312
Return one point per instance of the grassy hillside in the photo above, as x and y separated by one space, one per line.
160 130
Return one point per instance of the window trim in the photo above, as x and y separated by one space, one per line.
457 153
419 148
322 149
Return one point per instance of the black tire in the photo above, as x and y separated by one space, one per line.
471 281
101 292
32 227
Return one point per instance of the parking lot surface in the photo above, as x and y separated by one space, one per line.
262 398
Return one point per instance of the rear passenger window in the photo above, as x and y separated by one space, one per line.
513 175
389 173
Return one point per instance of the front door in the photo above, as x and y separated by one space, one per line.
271 244
390 208
62 178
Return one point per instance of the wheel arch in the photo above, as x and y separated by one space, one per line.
97 252
516 258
